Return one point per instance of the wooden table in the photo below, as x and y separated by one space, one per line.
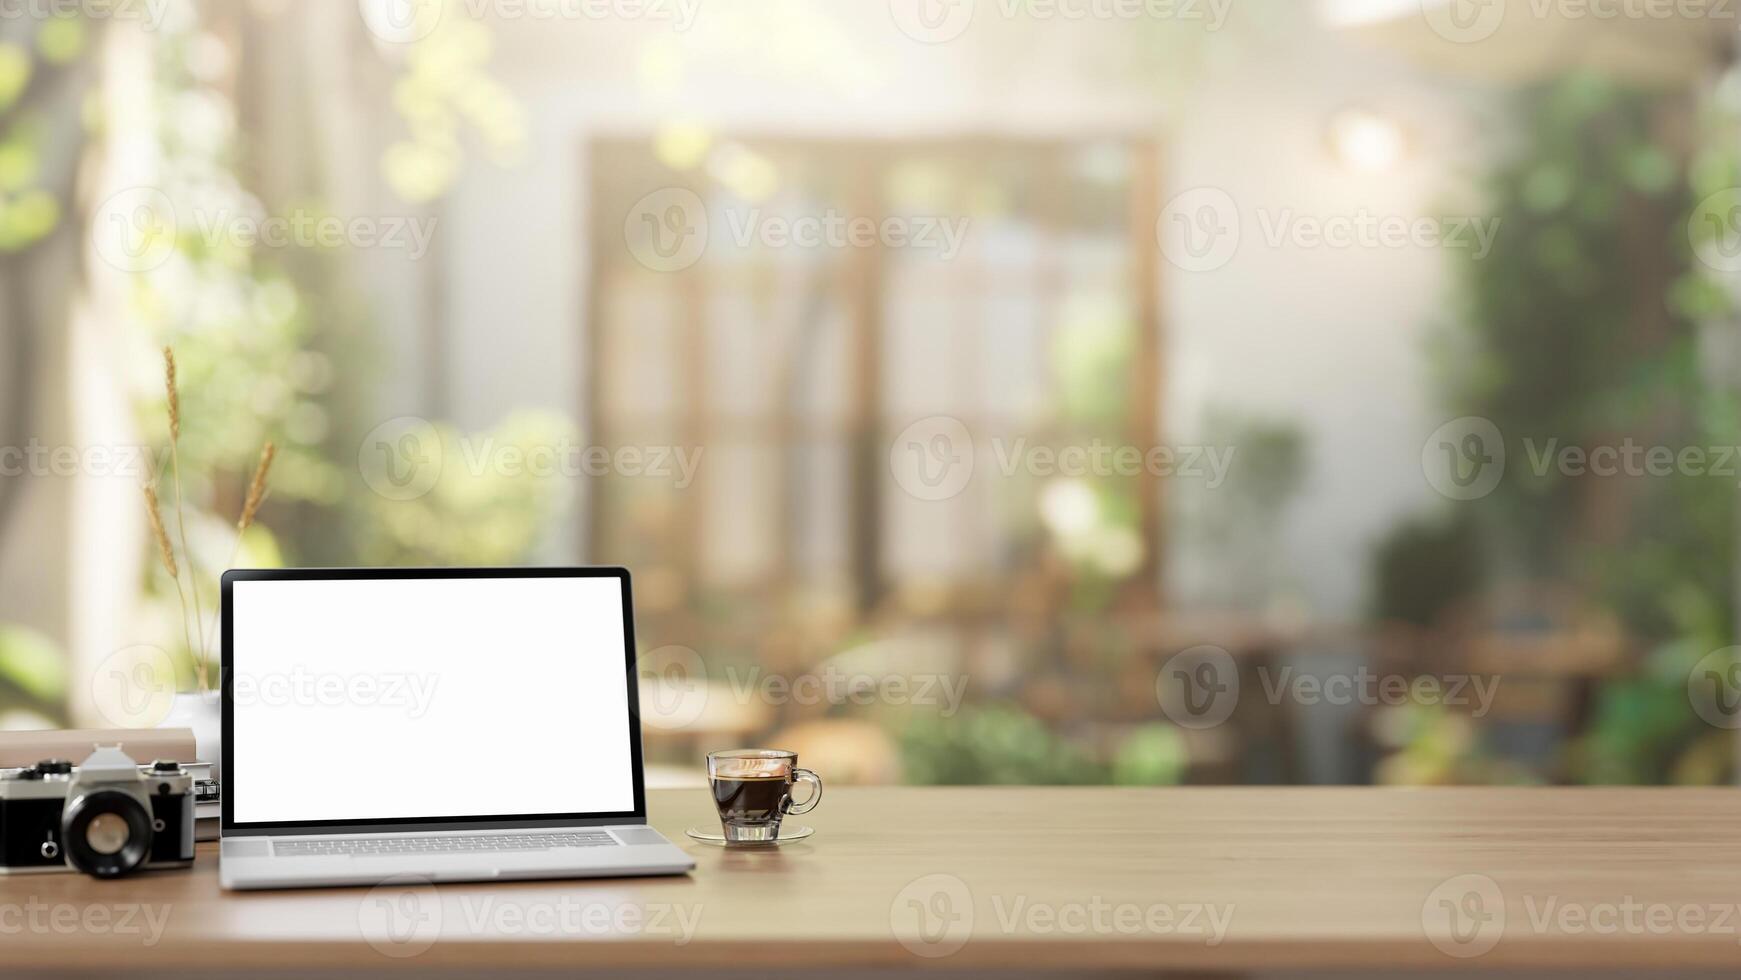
1197 880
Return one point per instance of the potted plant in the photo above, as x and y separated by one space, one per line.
199 709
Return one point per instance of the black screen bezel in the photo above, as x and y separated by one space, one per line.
338 771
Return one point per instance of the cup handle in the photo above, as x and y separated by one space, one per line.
803 776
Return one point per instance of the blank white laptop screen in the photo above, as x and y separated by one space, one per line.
379 699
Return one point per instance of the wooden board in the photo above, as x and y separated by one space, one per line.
1154 879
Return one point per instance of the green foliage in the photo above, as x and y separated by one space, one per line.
1641 726
1000 744
445 88
1574 338
996 744
15 71
1153 755
1424 566
247 339
28 212
62 39
30 667
1270 466
1585 327
27 219
476 513
1091 355
1437 746
1638 729
1234 526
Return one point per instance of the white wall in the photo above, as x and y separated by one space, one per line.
1333 339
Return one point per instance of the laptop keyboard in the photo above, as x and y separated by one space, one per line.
387 846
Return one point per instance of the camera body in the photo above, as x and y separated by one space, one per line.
107 817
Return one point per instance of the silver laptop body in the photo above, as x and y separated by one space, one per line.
434 724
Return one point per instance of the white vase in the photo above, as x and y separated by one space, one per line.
203 713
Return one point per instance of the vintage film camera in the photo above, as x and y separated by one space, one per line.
107 817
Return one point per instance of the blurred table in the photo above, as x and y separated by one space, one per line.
1071 880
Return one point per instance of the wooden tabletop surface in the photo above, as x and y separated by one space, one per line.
1191 879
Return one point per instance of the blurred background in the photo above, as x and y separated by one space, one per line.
981 391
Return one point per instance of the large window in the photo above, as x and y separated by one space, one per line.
1005 285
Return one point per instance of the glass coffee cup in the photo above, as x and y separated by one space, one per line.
753 790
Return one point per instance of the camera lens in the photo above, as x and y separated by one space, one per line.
107 833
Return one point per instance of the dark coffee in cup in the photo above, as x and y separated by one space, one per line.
749 800
753 790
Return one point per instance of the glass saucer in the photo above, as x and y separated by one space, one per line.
788 833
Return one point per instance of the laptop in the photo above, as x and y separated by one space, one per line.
444 724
